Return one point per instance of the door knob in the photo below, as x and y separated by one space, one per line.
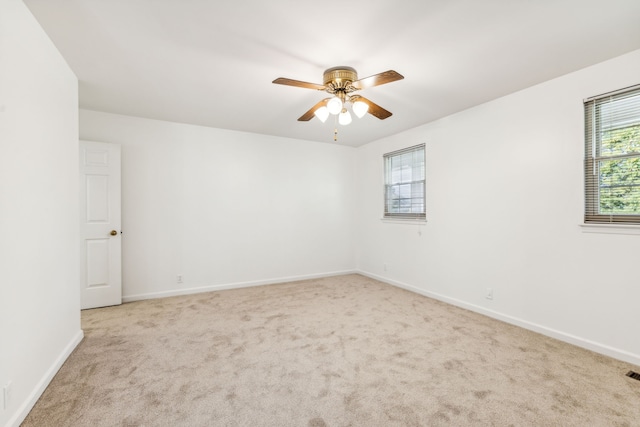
113 232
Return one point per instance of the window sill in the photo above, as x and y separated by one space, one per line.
404 220
611 228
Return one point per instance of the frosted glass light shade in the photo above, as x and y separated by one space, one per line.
345 117
334 105
360 109
322 113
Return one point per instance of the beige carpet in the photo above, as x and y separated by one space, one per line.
341 351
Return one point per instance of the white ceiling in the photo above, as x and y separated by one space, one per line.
211 62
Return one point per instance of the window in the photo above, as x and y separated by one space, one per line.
404 190
612 157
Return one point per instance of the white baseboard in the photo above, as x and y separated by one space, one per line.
28 404
615 353
210 288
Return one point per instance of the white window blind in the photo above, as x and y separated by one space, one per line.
404 190
612 157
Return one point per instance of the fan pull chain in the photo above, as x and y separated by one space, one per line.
335 129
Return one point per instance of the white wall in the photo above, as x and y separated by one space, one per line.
504 208
225 208
39 289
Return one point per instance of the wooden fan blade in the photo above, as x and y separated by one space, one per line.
298 83
375 109
377 79
309 114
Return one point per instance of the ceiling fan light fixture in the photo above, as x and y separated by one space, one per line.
340 82
322 113
360 109
344 118
334 106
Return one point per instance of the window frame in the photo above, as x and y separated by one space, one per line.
387 160
593 118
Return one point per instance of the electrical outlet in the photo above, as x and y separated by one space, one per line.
384 266
179 278
6 395
489 293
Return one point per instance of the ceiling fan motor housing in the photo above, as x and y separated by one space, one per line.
339 77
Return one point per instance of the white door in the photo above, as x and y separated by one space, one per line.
100 253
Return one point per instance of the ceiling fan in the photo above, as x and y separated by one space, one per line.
342 82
